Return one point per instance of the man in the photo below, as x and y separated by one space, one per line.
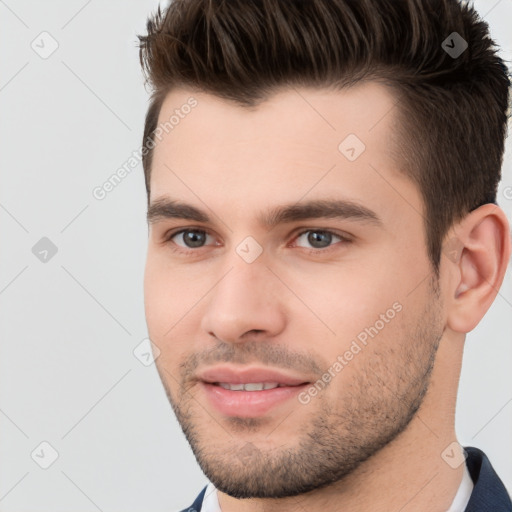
321 180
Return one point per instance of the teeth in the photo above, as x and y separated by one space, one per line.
232 387
254 386
250 386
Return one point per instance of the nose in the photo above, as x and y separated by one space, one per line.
246 303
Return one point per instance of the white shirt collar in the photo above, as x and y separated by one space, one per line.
461 500
211 501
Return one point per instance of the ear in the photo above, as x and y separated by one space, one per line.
477 253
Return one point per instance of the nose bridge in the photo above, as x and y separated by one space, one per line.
244 299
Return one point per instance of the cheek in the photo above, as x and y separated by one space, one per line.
163 297
365 307
171 294
348 297
161 302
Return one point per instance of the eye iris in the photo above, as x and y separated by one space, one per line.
319 239
194 238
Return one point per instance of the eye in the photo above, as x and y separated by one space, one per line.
190 238
312 239
318 239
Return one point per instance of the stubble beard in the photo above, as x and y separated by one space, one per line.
334 438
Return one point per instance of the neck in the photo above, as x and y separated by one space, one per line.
409 474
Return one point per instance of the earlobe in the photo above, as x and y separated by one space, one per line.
479 270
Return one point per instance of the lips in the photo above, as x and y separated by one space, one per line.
248 392
229 375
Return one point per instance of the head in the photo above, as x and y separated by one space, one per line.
303 207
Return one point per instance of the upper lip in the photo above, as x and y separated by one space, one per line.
230 375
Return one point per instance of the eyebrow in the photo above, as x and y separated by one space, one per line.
166 208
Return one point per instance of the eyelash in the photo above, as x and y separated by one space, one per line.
176 248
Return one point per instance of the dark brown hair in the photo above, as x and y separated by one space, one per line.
452 110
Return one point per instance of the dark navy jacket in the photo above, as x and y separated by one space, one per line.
489 493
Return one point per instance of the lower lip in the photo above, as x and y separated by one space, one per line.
248 404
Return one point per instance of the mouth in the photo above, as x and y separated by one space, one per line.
248 392
250 386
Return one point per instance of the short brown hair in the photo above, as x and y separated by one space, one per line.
453 110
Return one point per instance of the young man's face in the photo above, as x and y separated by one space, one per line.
337 304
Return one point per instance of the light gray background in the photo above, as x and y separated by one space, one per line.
69 326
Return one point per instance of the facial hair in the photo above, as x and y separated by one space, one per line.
339 433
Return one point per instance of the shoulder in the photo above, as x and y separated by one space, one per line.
489 494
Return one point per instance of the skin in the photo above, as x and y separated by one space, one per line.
373 438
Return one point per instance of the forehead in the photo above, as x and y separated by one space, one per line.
310 115
299 141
